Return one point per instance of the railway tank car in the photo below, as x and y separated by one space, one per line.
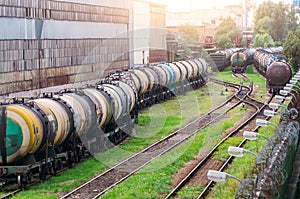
273 67
222 58
43 134
241 59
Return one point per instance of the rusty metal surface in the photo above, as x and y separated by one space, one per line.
278 73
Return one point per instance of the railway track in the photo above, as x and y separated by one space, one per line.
242 76
201 169
120 172
11 194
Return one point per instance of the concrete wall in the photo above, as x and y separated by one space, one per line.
141 32
149 32
48 43
158 48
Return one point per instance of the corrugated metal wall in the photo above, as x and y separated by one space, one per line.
47 43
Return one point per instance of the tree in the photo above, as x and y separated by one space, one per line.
223 41
190 32
228 34
275 19
279 23
263 40
291 49
292 18
263 25
189 36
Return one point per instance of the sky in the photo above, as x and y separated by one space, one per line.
187 5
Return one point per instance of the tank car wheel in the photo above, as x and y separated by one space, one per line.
70 161
76 156
58 164
25 180
53 168
42 173
20 183
82 154
21 180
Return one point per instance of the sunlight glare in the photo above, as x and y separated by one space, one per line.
188 5
180 5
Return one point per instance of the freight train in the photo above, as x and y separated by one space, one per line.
39 136
241 59
272 65
221 58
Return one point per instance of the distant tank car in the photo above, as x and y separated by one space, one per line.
40 135
222 58
273 67
241 59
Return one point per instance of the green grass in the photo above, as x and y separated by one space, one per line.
221 154
258 80
242 167
190 192
64 182
227 76
154 180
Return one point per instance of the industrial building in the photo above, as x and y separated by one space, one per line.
47 43
149 32
206 20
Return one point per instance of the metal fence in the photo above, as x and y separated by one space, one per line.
274 165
